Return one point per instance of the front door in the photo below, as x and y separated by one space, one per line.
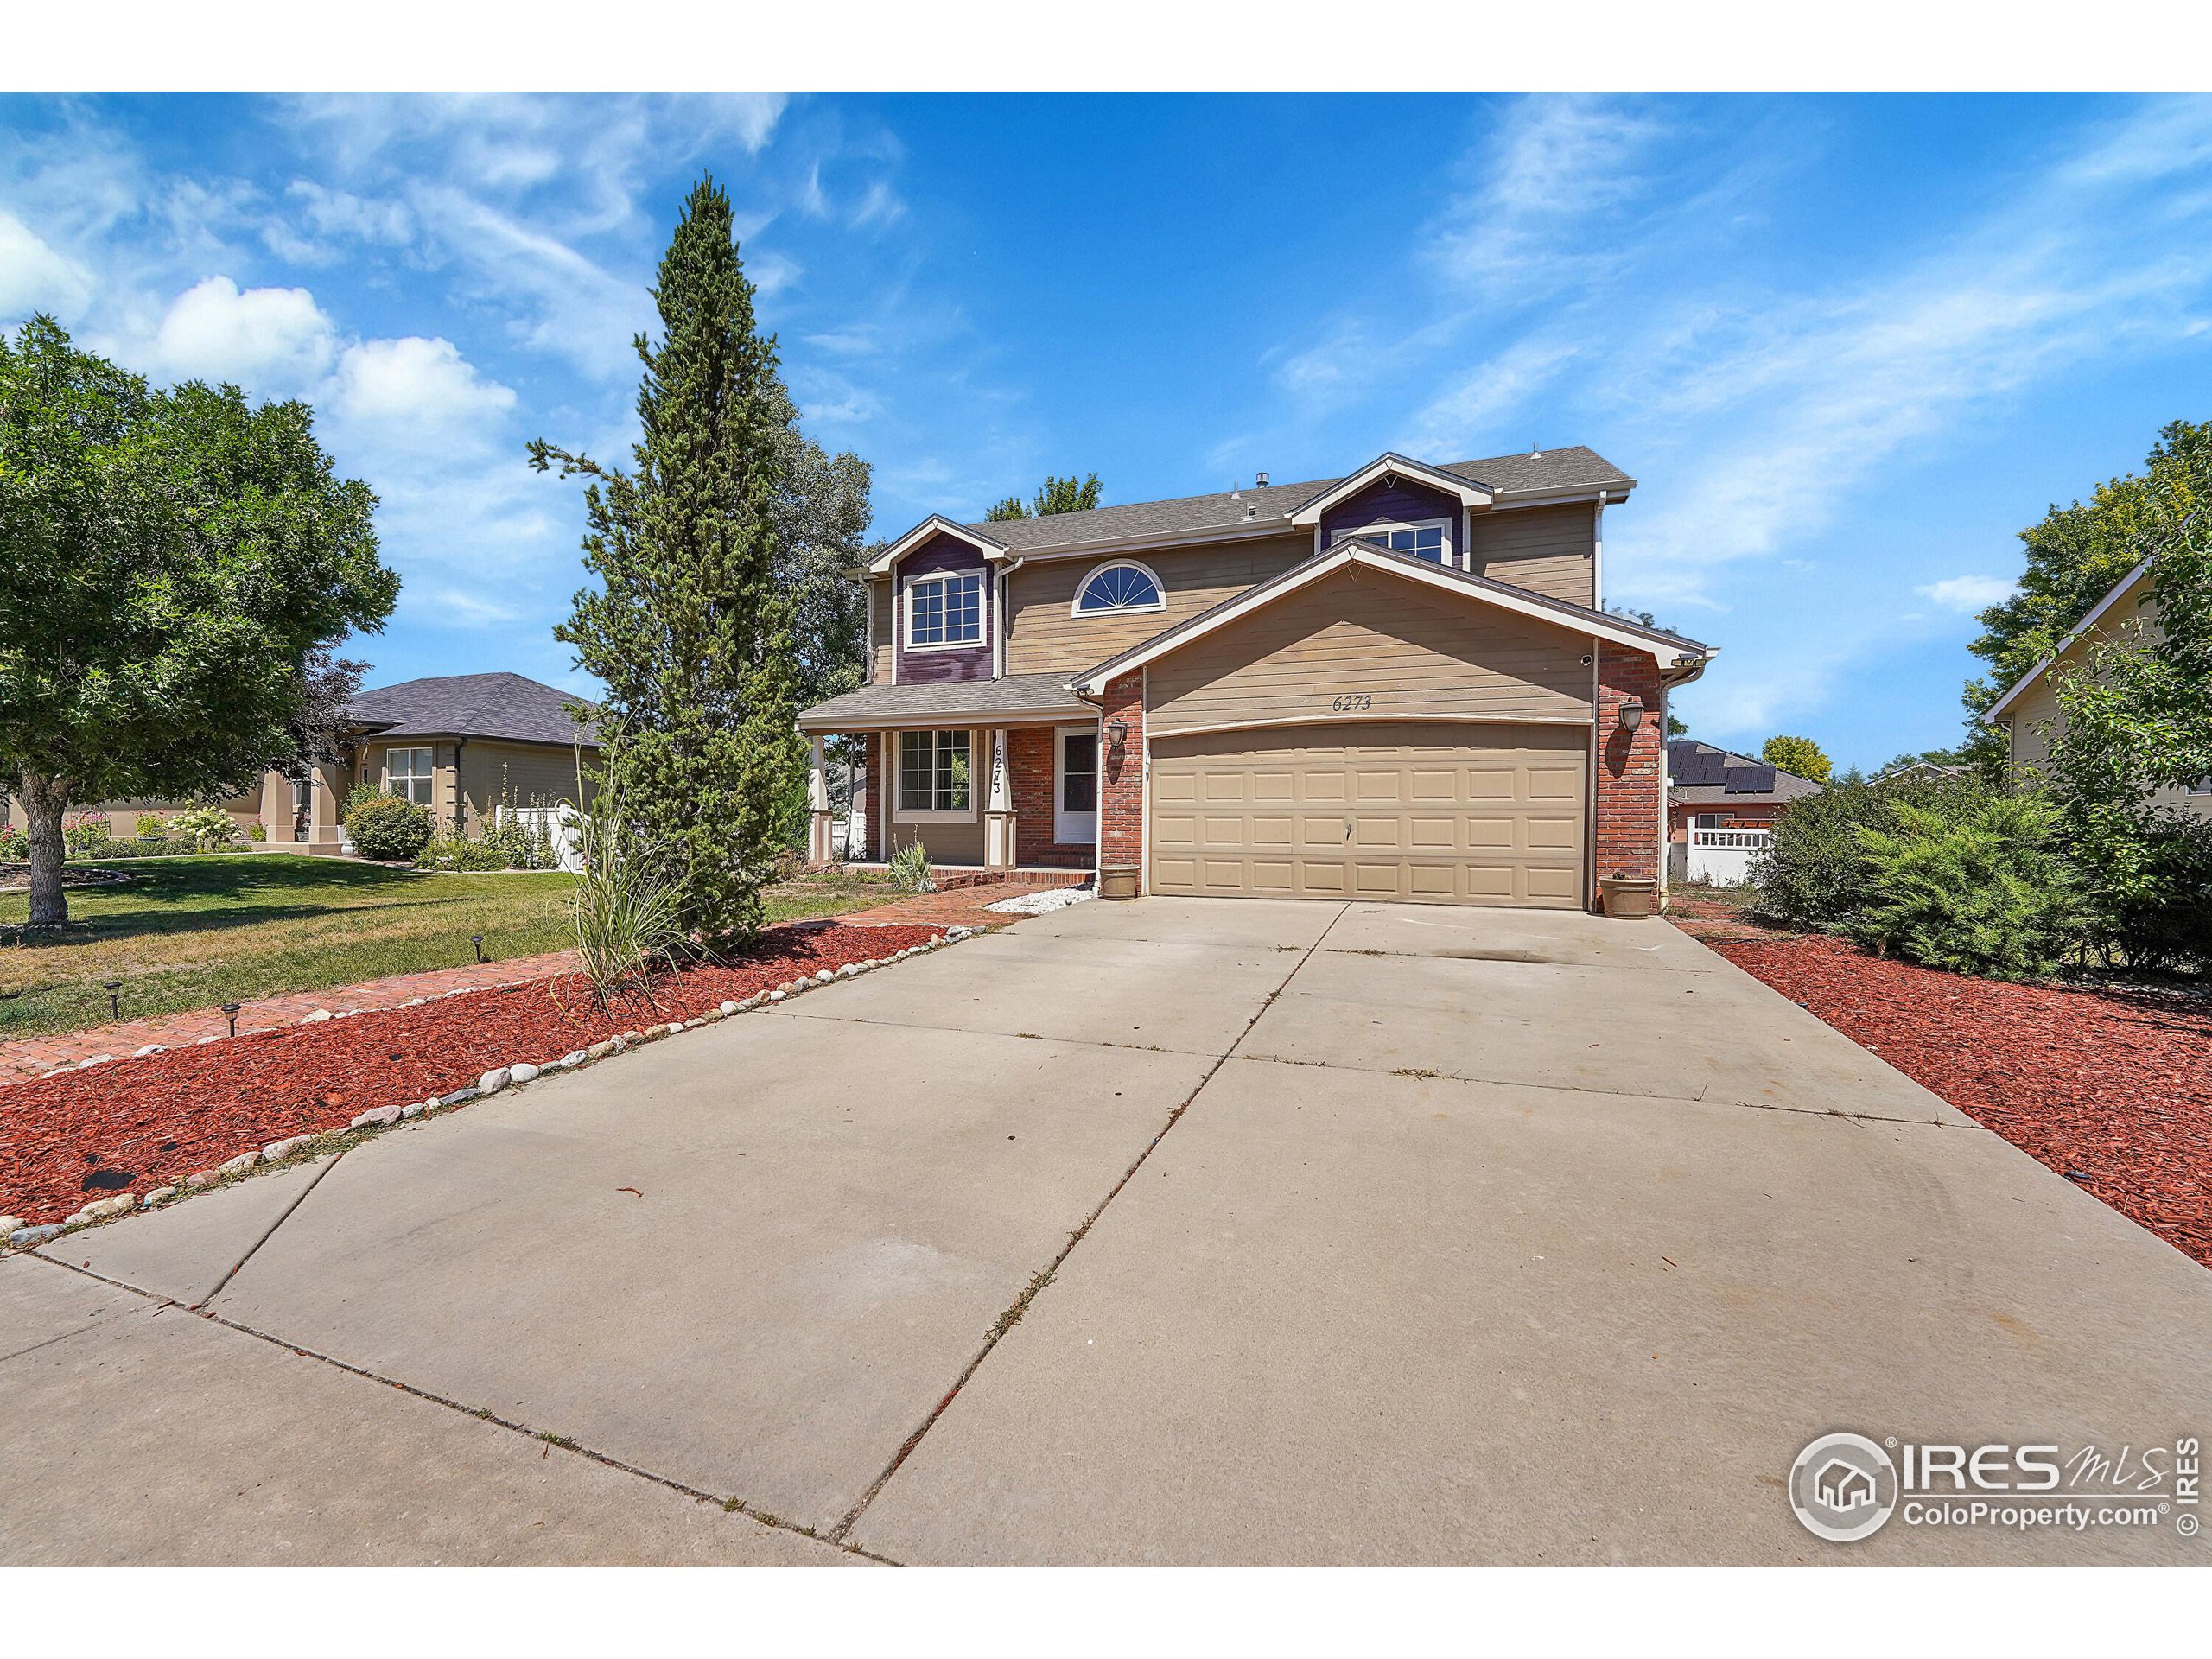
1075 793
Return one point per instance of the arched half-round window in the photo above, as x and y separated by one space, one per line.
1124 586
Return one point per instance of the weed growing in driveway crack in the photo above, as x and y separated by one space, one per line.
561 1441
1011 1317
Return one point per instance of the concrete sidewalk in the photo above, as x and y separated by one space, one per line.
1179 1231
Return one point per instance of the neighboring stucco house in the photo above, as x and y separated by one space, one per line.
1397 684
460 744
2028 712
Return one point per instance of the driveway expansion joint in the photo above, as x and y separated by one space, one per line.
1038 1281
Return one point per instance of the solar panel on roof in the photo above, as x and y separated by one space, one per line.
1750 780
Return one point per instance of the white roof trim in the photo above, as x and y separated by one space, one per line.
2120 589
1354 552
1467 493
936 524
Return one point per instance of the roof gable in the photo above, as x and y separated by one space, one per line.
1667 648
936 524
1387 466
2120 589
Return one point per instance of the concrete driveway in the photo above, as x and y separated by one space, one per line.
1180 1232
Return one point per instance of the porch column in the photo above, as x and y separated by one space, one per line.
820 850
998 810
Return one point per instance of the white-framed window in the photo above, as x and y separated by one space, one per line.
936 776
408 773
1428 538
1124 585
944 611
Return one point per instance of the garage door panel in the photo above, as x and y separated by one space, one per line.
1465 813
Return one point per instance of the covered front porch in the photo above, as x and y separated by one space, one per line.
993 777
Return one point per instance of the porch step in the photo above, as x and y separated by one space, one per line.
948 879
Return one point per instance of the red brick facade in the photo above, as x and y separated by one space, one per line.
1121 784
1033 766
1631 769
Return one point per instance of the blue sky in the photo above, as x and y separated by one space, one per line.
1849 345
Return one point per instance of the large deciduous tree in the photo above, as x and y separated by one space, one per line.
169 564
689 630
1799 756
1068 494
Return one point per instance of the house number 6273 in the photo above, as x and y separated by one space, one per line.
1352 702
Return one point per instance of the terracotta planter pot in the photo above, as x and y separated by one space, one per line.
1118 881
1629 897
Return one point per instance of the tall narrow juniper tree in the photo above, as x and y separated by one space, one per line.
689 630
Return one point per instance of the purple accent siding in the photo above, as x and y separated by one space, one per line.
942 553
1407 503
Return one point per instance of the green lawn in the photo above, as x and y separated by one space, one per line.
192 932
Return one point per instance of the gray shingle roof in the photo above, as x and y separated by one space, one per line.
1703 775
473 705
1574 469
1045 694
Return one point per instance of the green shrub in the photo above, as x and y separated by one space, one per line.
257 830
2146 875
14 843
104 852
152 826
910 868
1987 893
208 826
84 830
387 827
1815 872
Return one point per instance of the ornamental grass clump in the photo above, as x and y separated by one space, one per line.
909 868
1984 894
628 917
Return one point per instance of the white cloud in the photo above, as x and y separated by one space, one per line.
274 341
416 392
34 278
1462 420
1967 595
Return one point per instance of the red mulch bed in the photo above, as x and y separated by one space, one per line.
134 1125
2112 1088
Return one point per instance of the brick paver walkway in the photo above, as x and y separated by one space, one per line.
33 1057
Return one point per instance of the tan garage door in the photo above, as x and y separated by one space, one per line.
1448 814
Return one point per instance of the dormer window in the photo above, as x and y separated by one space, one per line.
1429 539
944 611
1122 586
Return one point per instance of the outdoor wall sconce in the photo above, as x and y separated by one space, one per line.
1631 714
114 989
1118 734
477 939
231 1013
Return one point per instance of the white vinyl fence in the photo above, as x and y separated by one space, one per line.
557 823
1723 857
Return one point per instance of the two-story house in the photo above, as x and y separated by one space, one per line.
1399 684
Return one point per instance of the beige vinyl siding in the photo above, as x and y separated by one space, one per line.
1042 637
879 614
1370 634
2036 717
1549 550
520 774
950 841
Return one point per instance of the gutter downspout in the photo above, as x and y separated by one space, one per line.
1598 555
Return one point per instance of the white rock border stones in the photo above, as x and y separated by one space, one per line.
17 1235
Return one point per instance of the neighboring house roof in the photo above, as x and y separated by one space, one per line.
2120 589
1699 774
1044 695
1505 478
1913 766
1672 650
473 705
